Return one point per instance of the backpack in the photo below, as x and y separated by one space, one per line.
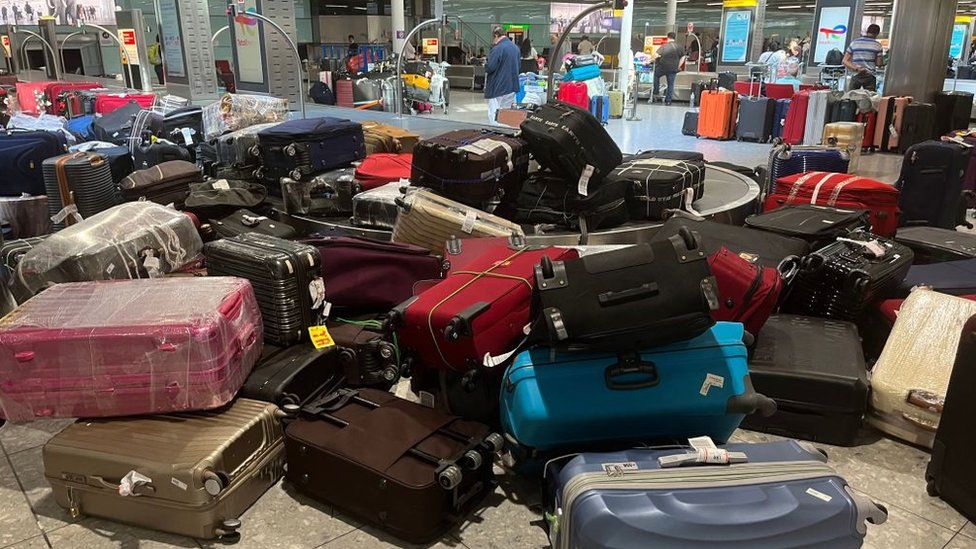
834 57
153 54
321 94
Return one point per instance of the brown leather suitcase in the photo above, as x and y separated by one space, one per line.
408 469
188 474
384 138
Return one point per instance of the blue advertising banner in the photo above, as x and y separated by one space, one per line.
735 36
958 43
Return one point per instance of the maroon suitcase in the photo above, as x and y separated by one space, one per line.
748 293
128 347
378 169
478 311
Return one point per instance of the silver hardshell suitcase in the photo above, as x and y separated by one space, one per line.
240 148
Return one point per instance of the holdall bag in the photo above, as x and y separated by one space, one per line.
116 127
633 298
407 469
582 73
747 293
931 184
245 221
572 143
78 182
632 396
787 160
164 183
381 168
814 369
384 138
917 125
844 191
910 378
187 474
98 349
365 275
473 314
429 220
327 194
660 182
818 225
840 280
935 245
300 148
286 276
81 127
470 166
546 198
891 112
953 110
756 119
217 198
292 375
795 124
367 351
846 136
574 93
759 247
639 498
23 153
184 125
718 114
132 240
240 148
378 208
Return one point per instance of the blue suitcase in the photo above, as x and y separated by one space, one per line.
82 126
786 160
783 495
582 74
302 148
22 153
600 107
779 117
570 401
950 277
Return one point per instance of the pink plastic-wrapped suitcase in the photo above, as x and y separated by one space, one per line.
127 347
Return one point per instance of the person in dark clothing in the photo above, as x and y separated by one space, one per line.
667 60
501 74
353 48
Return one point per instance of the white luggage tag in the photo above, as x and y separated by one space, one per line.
705 453
70 210
872 247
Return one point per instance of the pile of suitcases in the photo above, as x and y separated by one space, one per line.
213 347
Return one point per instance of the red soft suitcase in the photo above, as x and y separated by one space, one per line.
748 89
344 94
109 102
574 93
128 347
840 190
748 293
28 94
481 310
779 91
870 121
63 102
378 169
796 118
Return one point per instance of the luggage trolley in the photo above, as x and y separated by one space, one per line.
833 76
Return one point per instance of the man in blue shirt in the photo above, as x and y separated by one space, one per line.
863 57
501 74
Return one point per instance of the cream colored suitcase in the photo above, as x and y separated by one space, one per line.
429 220
909 381
847 136
191 474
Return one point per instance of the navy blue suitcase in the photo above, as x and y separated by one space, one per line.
301 148
22 153
786 160
950 277
772 495
779 117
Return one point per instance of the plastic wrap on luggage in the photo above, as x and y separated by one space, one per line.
377 207
94 349
131 240
235 111
328 194
46 122
168 103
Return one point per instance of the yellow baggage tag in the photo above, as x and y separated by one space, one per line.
321 339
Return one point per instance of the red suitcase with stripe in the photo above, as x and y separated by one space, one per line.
840 190
796 118
378 169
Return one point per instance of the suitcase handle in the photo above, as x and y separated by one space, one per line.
611 299
641 374
231 308
460 324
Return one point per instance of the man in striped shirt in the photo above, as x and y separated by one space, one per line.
863 56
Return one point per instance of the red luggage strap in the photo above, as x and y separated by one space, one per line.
834 195
476 277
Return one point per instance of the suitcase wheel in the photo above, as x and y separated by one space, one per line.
290 150
931 488
228 532
450 477
254 150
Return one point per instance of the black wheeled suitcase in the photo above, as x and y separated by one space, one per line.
690 126
327 194
300 148
285 276
367 355
843 110
661 182
815 224
293 374
147 155
935 245
759 247
917 125
841 279
571 142
184 126
246 221
952 111
80 180
931 184
814 369
164 183
756 118
549 199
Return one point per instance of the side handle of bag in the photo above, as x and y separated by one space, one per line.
611 299
460 324
630 373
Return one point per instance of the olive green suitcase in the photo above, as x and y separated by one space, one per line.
191 474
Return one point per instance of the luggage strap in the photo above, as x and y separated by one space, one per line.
330 402
839 188
476 277
803 181
69 211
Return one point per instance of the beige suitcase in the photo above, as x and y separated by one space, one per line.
909 381
429 220
847 136
384 138
191 474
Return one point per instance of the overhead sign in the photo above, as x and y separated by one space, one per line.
735 35
128 38
652 43
958 44
740 3
964 19
169 23
430 46
832 31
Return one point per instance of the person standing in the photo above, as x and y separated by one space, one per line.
585 47
667 60
155 55
353 48
555 60
863 57
501 74
529 57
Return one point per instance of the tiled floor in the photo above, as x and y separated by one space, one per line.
888 471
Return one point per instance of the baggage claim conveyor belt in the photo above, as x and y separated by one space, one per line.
729 196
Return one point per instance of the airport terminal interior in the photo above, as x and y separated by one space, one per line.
487 274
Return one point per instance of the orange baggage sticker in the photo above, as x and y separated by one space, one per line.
321 338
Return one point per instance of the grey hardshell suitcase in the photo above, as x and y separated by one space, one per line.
240 148
760 496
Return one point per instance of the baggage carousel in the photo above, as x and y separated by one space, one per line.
729 196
